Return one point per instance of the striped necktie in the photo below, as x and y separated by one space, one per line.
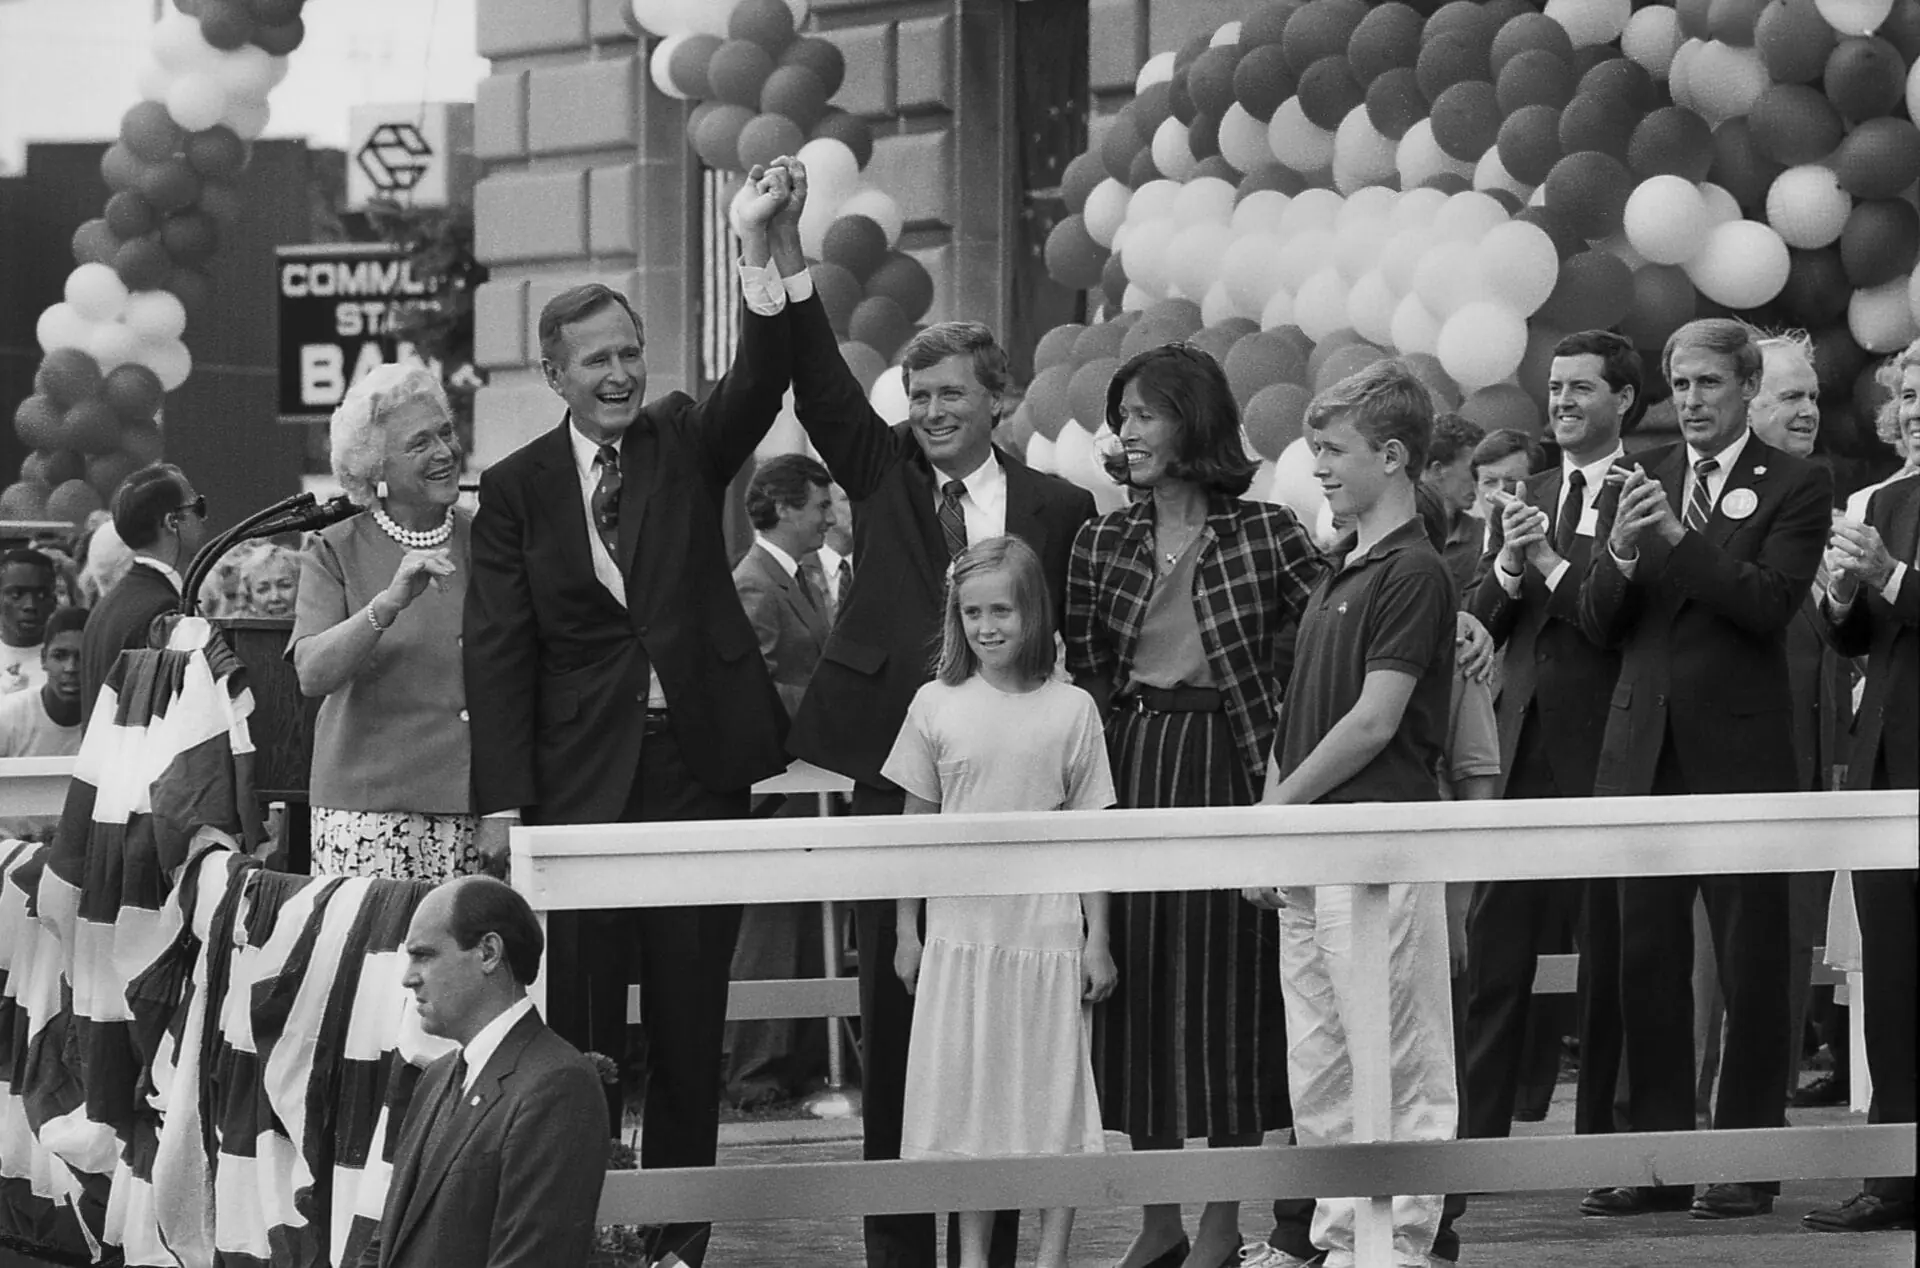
953 520
606 499
1700 501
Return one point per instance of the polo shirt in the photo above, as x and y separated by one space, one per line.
1391 608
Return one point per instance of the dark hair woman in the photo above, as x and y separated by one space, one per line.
1181 613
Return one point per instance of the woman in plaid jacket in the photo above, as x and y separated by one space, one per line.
1180 619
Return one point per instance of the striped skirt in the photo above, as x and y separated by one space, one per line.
1193 1041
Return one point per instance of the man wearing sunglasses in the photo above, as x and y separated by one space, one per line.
163 521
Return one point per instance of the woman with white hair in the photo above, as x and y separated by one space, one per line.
376 632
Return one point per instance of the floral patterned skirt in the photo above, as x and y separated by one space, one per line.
397 844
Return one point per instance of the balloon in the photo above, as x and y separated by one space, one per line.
24 501
90 427
832 171
1203 201
170 361
1262 80
1320 305
1880 242
888 395
1743 265
1794 42
1794 124
133 392
1087 391
1663 301
768 23
766 137
850 130
1739 167
1387 38
1466 120
906 281
1217 338
1651 38
1481 343
96 292
1807 207
1261 360
1594 291
1321 29
661 66
1590 22
217 153
61 326
1528 143
1193 257
1294 485
189 237
1590 189
1273 417
1864 78
149 132
1854 17
1447 277
1296 142
197 102
1210 79
716 135
72 502
1723 82
1672 141
1817 291
1666 219
737 71
1157 69
1881 319
1421 160
1395 103
1328 91
1519 265
1878 159
94 243
1171 153
1073 258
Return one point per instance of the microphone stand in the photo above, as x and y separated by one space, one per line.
301 511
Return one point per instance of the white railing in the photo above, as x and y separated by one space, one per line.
1366 846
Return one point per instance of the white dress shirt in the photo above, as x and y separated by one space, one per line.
166 570
1595 474
984 503
830 561
788 564
481 1047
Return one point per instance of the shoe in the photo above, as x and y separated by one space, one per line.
1861 1213
1629 1200
1261 1255
1825 1090
1530 1114
1172 1257
1731 1202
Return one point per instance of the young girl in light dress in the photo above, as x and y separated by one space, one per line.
999 1061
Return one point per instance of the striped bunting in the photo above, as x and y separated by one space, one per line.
201 1062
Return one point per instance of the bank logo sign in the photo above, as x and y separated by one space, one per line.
341 308
419 154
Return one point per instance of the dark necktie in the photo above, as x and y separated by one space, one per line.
802 583
1700 501
953 520
606 499
1571 508
843 582
443 1113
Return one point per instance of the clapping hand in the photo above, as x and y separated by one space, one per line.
1857 556
1644 510
765 193
788 216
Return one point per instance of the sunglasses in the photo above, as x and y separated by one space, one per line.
197 508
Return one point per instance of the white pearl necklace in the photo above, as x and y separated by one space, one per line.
410 538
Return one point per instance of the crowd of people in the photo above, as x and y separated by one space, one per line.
920 611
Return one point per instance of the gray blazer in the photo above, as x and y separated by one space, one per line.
791 629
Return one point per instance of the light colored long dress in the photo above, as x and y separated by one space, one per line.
1000 1062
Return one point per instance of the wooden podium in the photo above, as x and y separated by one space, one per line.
281 726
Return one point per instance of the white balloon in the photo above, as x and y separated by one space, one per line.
801 9
1414 329
878 206
832 171
1467 217
170 362
1243 140
1294 485
1229 33
1520 265
1370 308
1158 69
705 16
1357 245
197 101
248 71
1297 141
1361 152
1416 208
248 117
155 316
1208 200
661 63
281 65
1171 153
1666 219
1279 310
1134 299
888 396
1481 344
658 17
62 326
1724 81
1491 173
1854 17
1419 157
1040 453
113 345
1721 205
1152 201
1652 38
1680 73
1146 258
1447 278
1106 211
1591 21
1301 255
1913 91
1400 258
1193 258
1218 305
1743 264
176 43
1312 209
1260 211
1807 207
1881 319
1320 307
815 219
152 81
1913 294
96 292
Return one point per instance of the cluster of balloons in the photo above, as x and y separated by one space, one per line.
114 346
764 90
1330 181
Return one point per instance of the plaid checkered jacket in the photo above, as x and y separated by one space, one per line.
1256 568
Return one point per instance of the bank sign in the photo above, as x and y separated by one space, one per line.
340 304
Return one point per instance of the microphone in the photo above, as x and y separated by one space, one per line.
306 515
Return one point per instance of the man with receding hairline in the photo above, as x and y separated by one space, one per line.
503 1152
163 521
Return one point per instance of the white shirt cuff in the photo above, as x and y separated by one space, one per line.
1559 571
512 816
1891 590
799 286
1625 566
1508 581
761 287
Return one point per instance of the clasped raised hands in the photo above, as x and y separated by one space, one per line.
1856 556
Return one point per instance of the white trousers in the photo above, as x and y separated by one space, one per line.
1316 980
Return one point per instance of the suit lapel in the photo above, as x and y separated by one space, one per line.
1749 473
407 1178
1023 504
640 467
926 544
558 482
808 614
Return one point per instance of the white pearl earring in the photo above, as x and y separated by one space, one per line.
380 490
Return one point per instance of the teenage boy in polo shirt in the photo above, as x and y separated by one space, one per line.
1365 720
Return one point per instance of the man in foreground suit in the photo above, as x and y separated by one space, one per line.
1553 710
612 676
1873 602
922 492
504 1149
163 521
1696 574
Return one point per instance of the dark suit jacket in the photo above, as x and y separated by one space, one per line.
1887 730
884 639
556 669
119 621
516 1178
791 629
1702 629
1822 691
1552 671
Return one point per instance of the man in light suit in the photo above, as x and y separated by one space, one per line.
921 492
1873 603
790 506
612 675
1552 712
1706 558
504 1149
